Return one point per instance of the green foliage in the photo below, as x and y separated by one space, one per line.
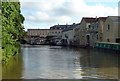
0 43
12 29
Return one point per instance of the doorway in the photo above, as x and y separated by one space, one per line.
88 40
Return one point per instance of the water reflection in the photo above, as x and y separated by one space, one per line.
99 64
13 69
55 62
0 71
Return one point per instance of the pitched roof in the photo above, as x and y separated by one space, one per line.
90 19
36 29
60 27
115 18
103 18
71 27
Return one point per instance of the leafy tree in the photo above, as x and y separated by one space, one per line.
12 29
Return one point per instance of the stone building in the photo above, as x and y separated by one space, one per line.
37 36
68 35
93 32
111 29
86 31
101 22
55 33
77 35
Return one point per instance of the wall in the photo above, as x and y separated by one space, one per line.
82 33
110 34
70 36
100 30
77 36
38 32
55 32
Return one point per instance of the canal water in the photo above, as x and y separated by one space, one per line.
56 62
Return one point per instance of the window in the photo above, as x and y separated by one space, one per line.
108 27
97 25
89 26
97 37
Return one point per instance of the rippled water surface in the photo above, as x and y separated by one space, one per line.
56 62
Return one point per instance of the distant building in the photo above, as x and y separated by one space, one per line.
56 33
38 32
86 33
68 35
37 36
56 30
111 29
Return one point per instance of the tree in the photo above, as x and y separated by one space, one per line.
12 29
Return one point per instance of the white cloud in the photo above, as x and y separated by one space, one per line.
64 19
43 17
43 5
99 10
63 11
101 0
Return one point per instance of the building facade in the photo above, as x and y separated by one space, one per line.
87 31
68 35
77 35
111 29
101 22
38 32
55 33
37 36
93 32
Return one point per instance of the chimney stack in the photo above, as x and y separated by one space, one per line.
96 17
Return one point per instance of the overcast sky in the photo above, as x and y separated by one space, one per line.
45 13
